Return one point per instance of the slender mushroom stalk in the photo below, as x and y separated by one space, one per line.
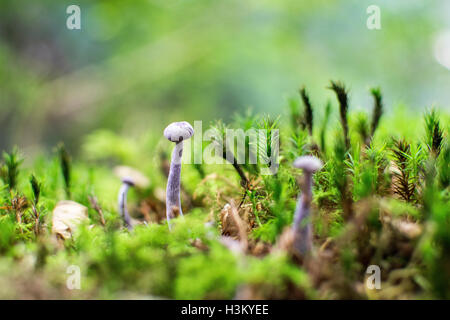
130 178
175 132
302 228
126 184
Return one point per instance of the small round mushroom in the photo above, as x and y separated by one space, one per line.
130 178
302 228
175 132
67 217
139 179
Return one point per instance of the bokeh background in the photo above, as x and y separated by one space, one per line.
137 65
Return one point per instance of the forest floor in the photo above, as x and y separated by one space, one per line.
380 206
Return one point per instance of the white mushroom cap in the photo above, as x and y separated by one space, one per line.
308 163
67 216
131 176
178 131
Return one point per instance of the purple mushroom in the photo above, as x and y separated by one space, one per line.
302 228
130 178
126 184
176 132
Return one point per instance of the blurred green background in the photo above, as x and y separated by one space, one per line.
138 65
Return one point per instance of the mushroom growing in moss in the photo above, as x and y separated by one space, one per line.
126 184
130 178
175 132
302 228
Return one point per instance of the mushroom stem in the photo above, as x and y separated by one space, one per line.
173 202
123 204
302 228
302 225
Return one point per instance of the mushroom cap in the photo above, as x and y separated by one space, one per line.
308 163
131 176
178 131
67 216
128 181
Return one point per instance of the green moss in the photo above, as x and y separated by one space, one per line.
190 262
213 275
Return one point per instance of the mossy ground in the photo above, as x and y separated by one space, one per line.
382 198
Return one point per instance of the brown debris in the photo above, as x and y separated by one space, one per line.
233 225
152 209
259 248
410 230
198 243
264 291
285 241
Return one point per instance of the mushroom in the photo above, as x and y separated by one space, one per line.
126 184
67 216
176 132
302 226
130 178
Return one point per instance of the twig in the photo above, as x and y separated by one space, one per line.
96 206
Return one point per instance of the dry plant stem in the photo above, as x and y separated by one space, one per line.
94 203
19 219
123 204
173 202
244 180
245 183
229 156
241 226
